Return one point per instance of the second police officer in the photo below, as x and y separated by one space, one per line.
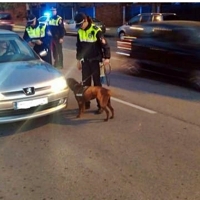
58 32
38 37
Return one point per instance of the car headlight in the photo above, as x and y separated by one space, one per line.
58 85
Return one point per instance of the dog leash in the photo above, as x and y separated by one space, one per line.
107 71
87 78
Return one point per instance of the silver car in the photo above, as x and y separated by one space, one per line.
70 26
29 87
128 29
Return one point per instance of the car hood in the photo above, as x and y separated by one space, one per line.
16 75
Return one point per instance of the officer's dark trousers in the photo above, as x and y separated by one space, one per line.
57 53
91 71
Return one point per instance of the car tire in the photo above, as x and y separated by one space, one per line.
121 34
195 79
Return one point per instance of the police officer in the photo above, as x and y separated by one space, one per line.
92 48
58 32
38 36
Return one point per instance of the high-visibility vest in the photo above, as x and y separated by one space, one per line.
54 22
38 32
88 35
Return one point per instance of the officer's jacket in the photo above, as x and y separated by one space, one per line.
57 28
38 32
91 44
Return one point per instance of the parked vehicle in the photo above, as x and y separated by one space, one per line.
170 48
6 21
30 87
45 20
126 29
70 26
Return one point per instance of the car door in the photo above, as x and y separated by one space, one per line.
131 25
183 52
148 49
70 26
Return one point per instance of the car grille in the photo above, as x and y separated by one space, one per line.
12 112
19 92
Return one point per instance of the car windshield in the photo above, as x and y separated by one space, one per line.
43 19
13 48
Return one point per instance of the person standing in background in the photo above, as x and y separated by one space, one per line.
38 36
58 32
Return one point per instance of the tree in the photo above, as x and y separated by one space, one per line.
6 6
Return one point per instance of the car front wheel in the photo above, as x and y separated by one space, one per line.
121 35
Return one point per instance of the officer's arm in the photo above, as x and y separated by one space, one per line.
62 29
104 45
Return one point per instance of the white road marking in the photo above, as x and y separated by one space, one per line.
134 106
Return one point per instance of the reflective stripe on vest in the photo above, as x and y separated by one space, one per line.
37 32
87 35
54 22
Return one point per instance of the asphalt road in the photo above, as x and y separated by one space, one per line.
149 151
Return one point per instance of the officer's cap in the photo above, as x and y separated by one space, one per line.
53 9
79 19
31 18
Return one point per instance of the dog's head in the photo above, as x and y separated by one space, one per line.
73 84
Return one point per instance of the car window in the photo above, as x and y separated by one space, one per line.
42 19
146 18
95 20
71 21
15 49
134 20
157 18
5 16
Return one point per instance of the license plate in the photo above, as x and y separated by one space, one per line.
29 104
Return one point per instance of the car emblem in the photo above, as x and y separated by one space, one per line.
29 90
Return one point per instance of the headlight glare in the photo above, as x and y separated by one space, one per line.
58 85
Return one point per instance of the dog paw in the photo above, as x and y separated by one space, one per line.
105 120
111 117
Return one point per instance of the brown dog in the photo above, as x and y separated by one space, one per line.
84 94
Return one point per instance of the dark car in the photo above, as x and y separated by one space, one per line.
6 21
127 28
170 48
